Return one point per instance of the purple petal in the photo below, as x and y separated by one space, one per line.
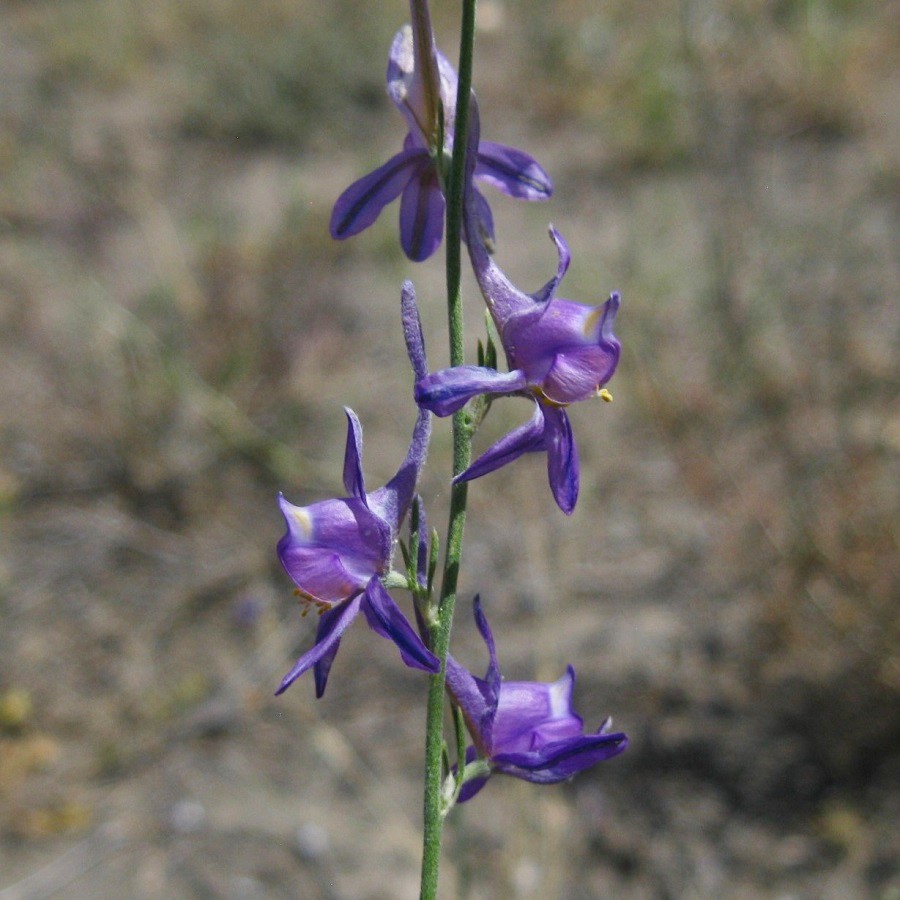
475 700
406 88
448 390
392 501
562 266
472 787
485 219
560 761
322 667
418 76
562 459
473 140
354 482
401 65
490 686
320 573
449 83
607 339
476 697
472 695
559 325
333 547
361 204
385 618
577 373
478 221
492 676
503 298
526 438
512 171
564 351
332 625
567 325
412 330
422 215
531 714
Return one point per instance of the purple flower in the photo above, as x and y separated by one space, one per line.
422 82
525 728
336 551
557 351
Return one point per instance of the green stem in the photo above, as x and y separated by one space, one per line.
433 811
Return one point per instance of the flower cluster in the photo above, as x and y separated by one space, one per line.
340 552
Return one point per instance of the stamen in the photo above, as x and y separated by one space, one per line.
604 395
542 397
308 602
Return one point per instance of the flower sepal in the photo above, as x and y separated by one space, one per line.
395 579
474 775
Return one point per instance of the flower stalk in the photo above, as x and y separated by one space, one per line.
433 810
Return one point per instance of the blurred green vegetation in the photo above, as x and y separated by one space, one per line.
278 76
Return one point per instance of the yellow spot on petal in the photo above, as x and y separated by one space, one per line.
302 520
604 395
590 323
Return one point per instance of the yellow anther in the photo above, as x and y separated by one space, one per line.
604 395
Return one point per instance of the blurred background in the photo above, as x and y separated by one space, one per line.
178 334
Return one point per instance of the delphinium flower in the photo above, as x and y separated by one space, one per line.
422 84
338 550
557 351
527 729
